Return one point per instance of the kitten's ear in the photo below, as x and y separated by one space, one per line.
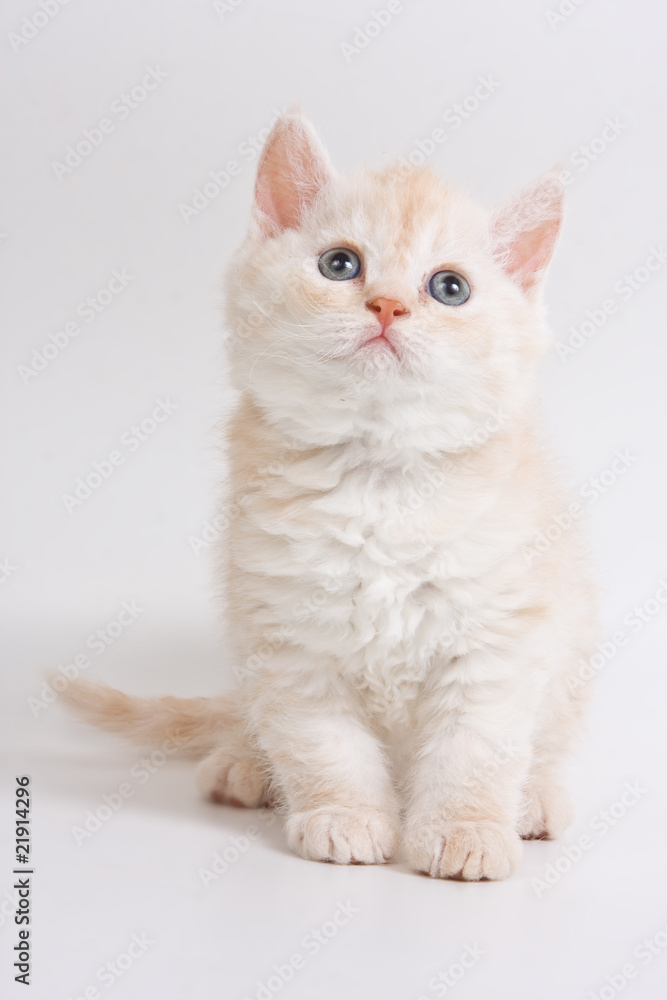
293 168
525 231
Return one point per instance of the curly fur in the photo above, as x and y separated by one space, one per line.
403 660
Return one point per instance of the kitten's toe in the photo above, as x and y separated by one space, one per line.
463 849
548 812
344 836
226 777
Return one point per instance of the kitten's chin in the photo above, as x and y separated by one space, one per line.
377 362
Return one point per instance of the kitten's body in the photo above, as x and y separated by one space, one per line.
403 646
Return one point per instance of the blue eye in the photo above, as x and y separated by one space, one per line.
450 288
339 264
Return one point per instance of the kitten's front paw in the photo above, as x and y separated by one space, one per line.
463 849
344 836
548 812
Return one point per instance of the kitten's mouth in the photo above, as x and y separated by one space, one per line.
380 342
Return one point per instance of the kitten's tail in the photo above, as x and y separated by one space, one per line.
193 724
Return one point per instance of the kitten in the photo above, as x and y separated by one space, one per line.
403 646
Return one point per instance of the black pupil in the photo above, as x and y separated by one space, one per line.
451 286
340 263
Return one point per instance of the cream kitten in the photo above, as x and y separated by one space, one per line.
403 647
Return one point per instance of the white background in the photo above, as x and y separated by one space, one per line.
132 539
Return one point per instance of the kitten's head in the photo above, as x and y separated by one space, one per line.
386 305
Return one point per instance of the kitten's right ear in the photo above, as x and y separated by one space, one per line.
293 168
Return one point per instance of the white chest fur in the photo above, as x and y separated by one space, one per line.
376 572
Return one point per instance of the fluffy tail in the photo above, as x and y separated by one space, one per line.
193 724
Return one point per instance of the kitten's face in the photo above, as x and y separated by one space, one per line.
398 350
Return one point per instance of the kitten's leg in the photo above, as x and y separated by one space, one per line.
230 770
547 809
234 774
469 769
329 769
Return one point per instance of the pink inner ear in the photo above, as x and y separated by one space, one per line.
526 230
530 256
292 170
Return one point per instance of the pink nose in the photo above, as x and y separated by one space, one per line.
386 310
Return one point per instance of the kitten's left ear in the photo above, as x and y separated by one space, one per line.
525 231
293 168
